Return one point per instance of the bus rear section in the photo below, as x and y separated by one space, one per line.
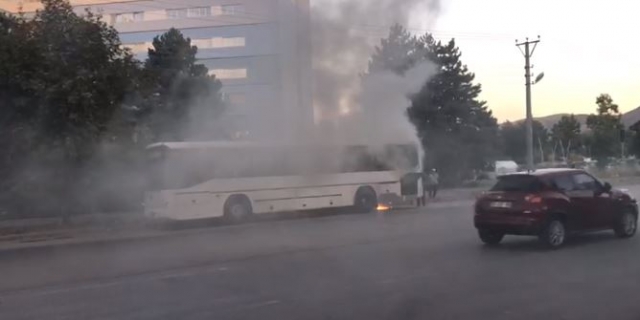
235 180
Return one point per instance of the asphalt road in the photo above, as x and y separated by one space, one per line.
425 264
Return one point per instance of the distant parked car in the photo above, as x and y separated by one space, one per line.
552 204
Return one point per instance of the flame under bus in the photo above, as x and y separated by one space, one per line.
196 180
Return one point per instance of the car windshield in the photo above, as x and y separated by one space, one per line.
518 183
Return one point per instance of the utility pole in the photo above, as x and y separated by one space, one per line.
528 53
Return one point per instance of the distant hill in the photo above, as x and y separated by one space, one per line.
549 121
632 117
628 119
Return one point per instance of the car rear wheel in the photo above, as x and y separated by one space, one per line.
491 238
554 234
626 225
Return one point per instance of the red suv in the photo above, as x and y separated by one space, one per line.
551 204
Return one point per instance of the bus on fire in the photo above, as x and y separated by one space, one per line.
196 180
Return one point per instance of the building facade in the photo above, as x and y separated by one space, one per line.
259 49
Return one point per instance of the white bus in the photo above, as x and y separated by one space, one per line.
196 180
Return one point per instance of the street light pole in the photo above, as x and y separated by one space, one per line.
528 52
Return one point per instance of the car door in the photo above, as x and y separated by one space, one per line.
595 204
577 205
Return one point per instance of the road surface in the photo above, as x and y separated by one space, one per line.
417 264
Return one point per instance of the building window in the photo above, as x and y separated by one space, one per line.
228 42
138 47
233 9
199 12
176 13
128 17
219 42
201 43
155 15
229 74
138 16
123 18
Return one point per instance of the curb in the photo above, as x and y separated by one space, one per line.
69 243
50 246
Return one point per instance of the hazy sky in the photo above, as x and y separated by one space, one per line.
588 47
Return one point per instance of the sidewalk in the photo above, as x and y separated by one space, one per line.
27 233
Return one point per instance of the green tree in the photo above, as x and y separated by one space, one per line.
457 129
566 133
69 77
87 75
513 137
605 128
398 52
180 98
19 63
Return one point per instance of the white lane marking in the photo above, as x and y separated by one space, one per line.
186 274
263 304
399 279
105 283
450 204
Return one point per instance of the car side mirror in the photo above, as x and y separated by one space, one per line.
606 188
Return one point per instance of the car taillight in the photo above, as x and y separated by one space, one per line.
533 199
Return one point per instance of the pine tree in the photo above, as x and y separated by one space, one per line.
180 99
457 129
398 52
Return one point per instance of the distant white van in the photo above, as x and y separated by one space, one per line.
505 167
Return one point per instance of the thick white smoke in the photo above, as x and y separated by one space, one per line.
350 109
369 109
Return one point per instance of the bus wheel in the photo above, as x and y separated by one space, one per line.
237 208
366 200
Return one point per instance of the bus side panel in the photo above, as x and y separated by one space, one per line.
279 199
274 194
326 197
198 205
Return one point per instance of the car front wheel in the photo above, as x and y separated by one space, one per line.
626 225
554 234
490 237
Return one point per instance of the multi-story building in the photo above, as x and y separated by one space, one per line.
259 49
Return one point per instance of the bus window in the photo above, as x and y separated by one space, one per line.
402 157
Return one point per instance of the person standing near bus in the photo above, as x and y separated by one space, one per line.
432 182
